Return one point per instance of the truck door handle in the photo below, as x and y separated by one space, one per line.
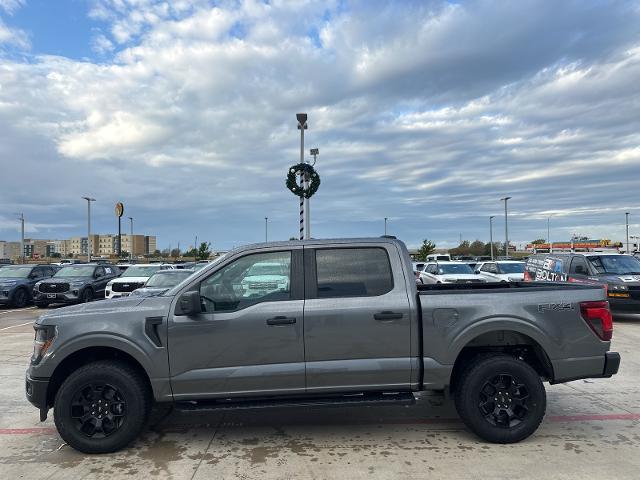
387 316
281 321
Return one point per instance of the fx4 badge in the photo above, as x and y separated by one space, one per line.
554 307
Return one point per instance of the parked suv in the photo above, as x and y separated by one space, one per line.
501 271
133 277
17 281
618 273
74 284
449 272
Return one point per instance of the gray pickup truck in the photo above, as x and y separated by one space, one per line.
349 326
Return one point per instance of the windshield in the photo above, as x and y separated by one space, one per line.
14 272
261 269
616 264
167 279
454 268
511 267
140 271
84 271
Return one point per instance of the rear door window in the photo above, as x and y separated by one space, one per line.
353 272
578 266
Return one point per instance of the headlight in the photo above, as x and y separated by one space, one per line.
36 286
42 341
618 288
8 284
77 284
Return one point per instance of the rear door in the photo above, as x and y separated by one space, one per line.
357 319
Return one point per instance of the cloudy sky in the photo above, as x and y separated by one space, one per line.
424 112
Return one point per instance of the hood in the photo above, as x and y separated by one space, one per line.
65 279
149 291
630 280
92 309
459 276
264 278
14 281
129 279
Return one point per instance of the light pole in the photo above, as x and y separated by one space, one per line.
491 234
506 227
89 200
627 222
266 229
549 234
21 218
131 249
385 226
195 250
304 180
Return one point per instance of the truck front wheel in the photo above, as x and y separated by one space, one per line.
500 398
102 407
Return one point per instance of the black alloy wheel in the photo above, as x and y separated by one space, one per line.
20 298
503 401
98 410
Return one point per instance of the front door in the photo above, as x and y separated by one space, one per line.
248 339
357 319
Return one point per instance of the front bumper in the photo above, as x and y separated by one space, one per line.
64 297
36 390
621 306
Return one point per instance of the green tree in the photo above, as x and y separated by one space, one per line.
538 241
124 254
427 248
204 250
462 249
175 252
476 248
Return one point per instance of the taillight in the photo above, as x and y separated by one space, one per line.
598 317
527 277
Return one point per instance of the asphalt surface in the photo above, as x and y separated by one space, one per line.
592 430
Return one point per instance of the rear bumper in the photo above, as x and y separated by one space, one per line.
569 369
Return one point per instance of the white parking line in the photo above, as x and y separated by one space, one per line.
14 326
16 310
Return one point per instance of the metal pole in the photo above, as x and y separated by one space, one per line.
627 222
131 249
89 200
491 234
22 257
266 229
195 250
119 237
506 228
307 211
385 226
549 235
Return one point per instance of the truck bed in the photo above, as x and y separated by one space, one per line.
497 287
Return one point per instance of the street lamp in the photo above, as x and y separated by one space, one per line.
266 229
89 200
491 234
385 226
21 218
627 222
131 243
549 234
506 227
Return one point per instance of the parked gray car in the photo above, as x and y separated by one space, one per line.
17 281
349 326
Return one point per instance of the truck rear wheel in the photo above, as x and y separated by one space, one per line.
102 407
500 398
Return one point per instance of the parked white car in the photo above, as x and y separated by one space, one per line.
449 272
133 277
501 271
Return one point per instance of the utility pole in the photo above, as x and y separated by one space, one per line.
304 180
89 200
266 229
131 252
21 218
627 222
385 226
506 227
195 250
549 234
491 234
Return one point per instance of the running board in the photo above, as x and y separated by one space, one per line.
366 399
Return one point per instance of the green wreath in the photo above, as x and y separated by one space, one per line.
302 169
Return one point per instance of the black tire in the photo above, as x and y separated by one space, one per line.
80 414
500 398
20 298
42 304
87 295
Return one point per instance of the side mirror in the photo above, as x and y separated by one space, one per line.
189 304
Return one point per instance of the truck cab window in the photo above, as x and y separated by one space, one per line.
262 277
579 266
353 272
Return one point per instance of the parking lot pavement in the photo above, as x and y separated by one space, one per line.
592 429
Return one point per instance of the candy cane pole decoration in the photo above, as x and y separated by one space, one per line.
302 126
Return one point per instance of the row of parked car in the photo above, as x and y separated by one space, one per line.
45 284
618 274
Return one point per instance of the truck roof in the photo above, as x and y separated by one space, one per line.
318 241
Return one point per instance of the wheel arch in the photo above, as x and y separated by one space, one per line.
83 356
